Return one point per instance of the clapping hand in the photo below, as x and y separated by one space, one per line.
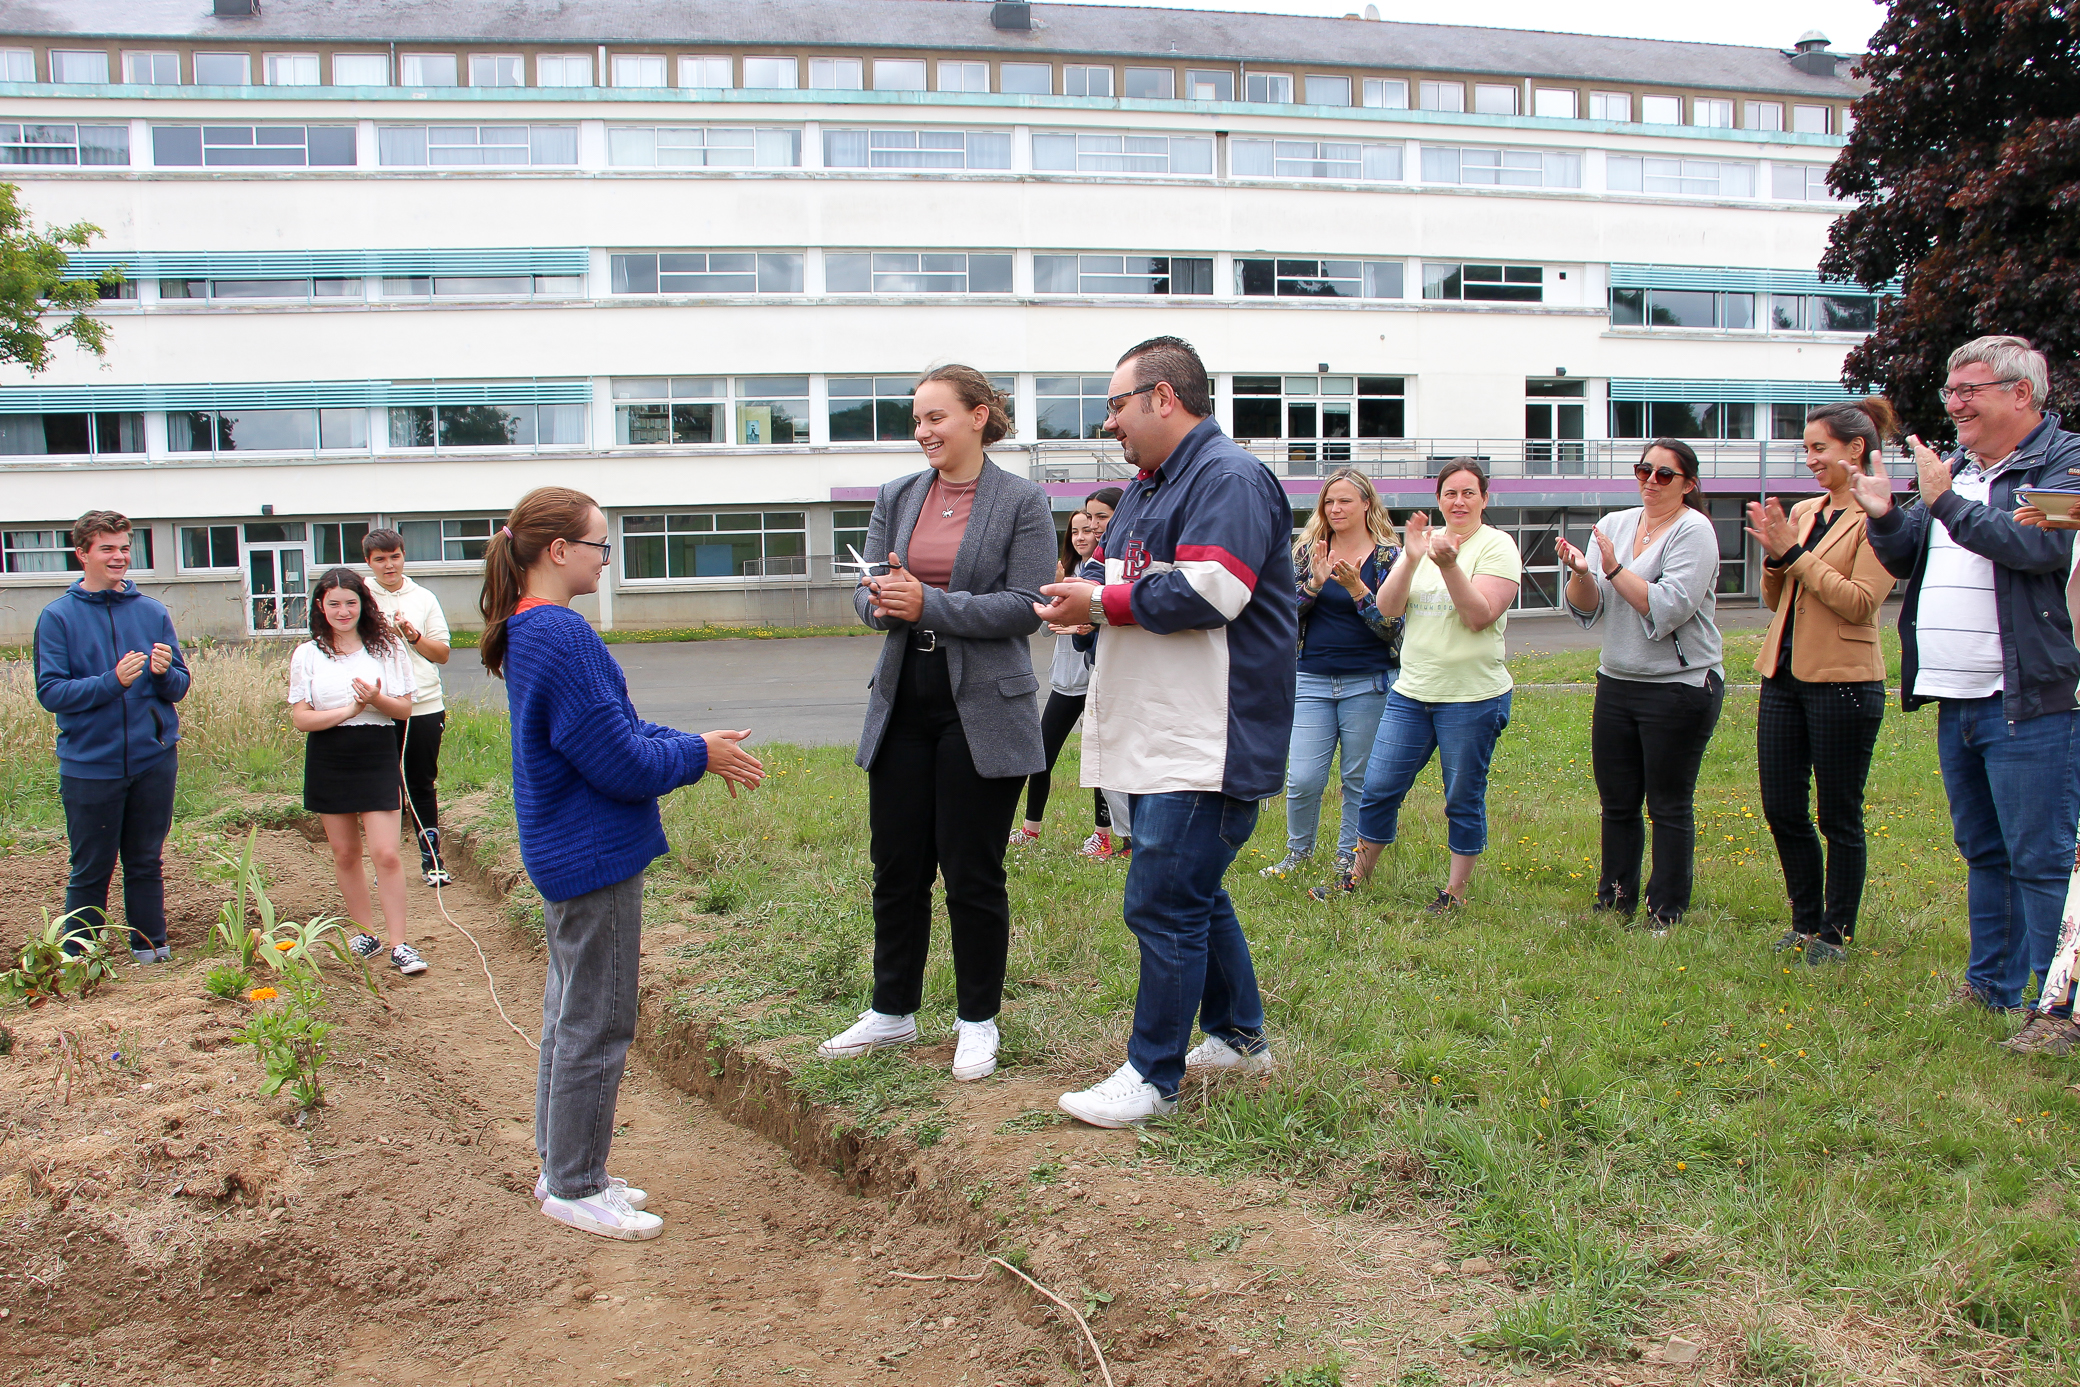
728 759
364 693
1318 566
129 667
1771 527
1444 548
1607 554
1873 489
1346 573
1935 473
1415 537
407 630
1571 558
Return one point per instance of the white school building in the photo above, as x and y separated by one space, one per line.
396 265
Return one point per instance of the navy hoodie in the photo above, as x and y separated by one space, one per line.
106 731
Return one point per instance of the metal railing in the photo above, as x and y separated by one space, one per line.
1414 459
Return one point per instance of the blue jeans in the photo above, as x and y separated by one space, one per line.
588 1020
126 817
1193 955
1330 710
1464 734
2014 796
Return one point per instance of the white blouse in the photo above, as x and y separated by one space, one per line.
327 681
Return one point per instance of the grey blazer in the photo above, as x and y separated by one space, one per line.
981 620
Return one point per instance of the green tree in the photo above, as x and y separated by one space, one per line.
1965 164
34 289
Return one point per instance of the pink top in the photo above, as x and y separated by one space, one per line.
937 537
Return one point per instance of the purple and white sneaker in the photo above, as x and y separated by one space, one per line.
637 1199
607 1214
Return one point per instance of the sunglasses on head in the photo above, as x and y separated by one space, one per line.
1662 476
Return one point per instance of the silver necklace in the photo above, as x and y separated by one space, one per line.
953 495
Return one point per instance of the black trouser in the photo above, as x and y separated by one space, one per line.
126 817
1057 720
1646 742
931 814
1827 731
421 745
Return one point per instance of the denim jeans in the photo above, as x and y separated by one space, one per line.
127 816
2014 797
1330 710
588 1020
1464 735
1193 955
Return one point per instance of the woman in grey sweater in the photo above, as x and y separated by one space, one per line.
1649 578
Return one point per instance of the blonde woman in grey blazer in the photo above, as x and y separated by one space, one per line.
953 718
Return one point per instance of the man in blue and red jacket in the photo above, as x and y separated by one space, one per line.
1190 712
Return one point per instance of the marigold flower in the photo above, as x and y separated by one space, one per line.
285 944
262 994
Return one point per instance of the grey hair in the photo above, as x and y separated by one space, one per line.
2008 357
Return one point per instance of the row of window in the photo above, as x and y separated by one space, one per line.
720 71
1703 308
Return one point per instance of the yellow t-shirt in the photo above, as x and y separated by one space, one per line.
1442 661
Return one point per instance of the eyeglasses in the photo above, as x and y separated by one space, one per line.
606 551
1951 394
1113 403
1660 476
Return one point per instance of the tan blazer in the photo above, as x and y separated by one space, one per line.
1835 590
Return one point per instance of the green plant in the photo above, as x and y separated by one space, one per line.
1094 1301
227 980
231 930
1327 1373
65 956
1768 1355
289 1039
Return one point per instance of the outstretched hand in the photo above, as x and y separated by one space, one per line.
728 759
1873 489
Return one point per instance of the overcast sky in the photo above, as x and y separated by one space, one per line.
1761 23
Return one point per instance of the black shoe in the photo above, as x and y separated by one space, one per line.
1445 903
1792 940
1346 882
1820 953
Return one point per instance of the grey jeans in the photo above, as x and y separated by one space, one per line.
588 1020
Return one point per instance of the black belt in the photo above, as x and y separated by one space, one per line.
924 642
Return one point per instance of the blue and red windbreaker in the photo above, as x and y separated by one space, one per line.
1193 688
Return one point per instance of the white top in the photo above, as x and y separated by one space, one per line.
423 610
326 682
1957 624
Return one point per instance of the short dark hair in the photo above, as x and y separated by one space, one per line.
1173 360
98 522
380 542
1458 465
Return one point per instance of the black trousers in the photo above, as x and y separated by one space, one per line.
930 815
1825 733
1646 742
421 746
1057 721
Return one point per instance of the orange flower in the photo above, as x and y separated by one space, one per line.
262 994
285 944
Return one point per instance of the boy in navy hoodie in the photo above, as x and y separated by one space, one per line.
109 665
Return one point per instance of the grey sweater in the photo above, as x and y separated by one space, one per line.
1676 640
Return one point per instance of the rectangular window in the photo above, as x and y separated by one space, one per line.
872 409
338 541
1762 115
703 147
1809 120
242 431
1703 419
1151 83
1386 93
360 70
473 146
223 69
1799 183
835 74
1554 103
1691 308
1086 81
563 70
1269 88
849 530
1787 421
209 546
90 67
638 70
1501 168
1318 279
1613 106
1158 154
347 288
1485 283
1332 409
1209 85
715 544
1071 406
708 272
427 70
253 146
1712 114
482 286
899 74
707 70
486 426
1442 96
676 409
497 70
292 69
70 435
1328 91
64 144
917 149
771 74
1842 313
1493 99
17 64
1680 177
1314 159
963 77
1661 110
38 551
1122 274
342 429
916 272
1028 79
772 410
152 69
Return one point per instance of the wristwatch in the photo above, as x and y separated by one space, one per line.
1097 606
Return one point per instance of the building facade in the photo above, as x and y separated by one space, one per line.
398 266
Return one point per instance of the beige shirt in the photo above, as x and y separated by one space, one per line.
423 610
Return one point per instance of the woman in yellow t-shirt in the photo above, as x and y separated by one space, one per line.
1455 587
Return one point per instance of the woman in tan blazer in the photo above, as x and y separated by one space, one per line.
1823 676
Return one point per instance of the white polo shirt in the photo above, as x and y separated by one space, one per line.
420 607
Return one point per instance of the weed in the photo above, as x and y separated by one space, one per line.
1327 1373
227 980
1018 1257
876 1088
1420 1375
1767 1355
1031 1120
1093 1301
65 956
289 1039
1046 1172
1228 1239
931 1131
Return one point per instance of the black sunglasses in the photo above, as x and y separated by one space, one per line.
1662 475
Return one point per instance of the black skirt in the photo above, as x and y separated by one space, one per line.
351 770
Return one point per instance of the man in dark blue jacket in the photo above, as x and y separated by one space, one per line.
1986 635
109 665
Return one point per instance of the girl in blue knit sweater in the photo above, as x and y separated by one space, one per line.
587 773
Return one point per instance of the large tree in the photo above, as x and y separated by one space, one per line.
38 304
1965 164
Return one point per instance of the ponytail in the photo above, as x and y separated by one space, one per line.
544 515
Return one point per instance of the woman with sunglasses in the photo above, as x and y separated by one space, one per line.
1650 578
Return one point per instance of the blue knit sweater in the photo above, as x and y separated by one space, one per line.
586 770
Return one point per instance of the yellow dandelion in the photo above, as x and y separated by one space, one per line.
1682 1165
1436 1079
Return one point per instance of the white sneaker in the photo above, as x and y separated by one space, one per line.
407 960
1124 1100
975 1050
874 1031
606 1213
1215 1053
636 1198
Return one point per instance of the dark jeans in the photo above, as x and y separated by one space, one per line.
930 814
126 817
2014 799
1646 742
1822 733
1193 956
420 740
588 1019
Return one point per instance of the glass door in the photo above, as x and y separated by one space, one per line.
1302 427
277 571
1553 427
